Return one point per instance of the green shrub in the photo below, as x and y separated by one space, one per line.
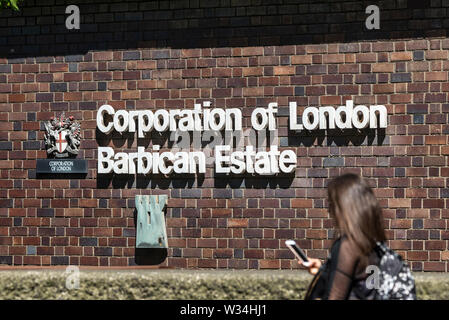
170 285
432 287
10 4
181 284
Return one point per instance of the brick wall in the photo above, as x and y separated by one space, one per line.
171 54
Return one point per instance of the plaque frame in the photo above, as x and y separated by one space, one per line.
61 166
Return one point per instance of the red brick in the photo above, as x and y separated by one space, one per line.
269 264
436 76
252 51
88 203
305 59
399 203
98 56
237 223
59 67
436 55
383 67
400 56
301 203
284 70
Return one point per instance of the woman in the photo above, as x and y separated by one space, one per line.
359 223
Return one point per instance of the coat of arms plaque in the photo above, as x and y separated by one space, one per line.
62 141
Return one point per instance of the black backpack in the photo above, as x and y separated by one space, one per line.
394 278
396 281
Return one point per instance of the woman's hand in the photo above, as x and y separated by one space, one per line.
313 266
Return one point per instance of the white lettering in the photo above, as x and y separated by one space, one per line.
100 118
310 112
105 159
344 117
293 117
150 162
161 120
269 162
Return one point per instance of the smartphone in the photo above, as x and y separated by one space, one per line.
291 244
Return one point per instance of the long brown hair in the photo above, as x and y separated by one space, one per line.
354 208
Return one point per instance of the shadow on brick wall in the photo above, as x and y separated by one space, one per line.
337 137
280 181
154 181
128 181
149 256
127 139
39 29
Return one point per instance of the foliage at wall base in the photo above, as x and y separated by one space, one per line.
169 285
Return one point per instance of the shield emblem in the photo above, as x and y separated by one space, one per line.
61 141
